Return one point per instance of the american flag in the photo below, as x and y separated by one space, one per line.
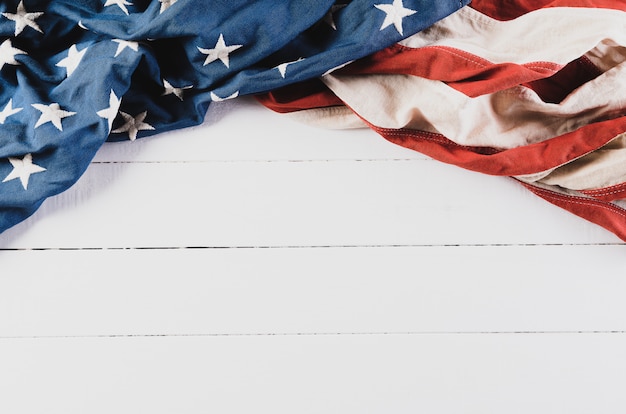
534 90
530 89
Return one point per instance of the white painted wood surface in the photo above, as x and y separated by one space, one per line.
257 265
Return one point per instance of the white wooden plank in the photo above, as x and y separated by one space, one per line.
242 129
323 290
295 204
316 374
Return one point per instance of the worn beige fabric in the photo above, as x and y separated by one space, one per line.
572 33
603 167
505 119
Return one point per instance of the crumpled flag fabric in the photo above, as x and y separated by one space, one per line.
533 90
74 74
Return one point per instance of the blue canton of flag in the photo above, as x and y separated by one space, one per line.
75 73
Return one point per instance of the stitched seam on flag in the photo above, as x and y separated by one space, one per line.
532 66
602 194
614 189
577 200
483 62
541 64
431 136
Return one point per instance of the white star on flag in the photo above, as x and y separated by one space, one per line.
8 52
22 18
72 60
216 98
123 44
51 113
220 51
133 125
22 169
111 112
166 4
282 68
395 13
120 3
8 111
171 90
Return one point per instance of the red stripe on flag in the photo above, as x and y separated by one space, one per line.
303 95
473 75
528 159
602 213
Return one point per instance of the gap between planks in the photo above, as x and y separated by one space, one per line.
305 334
287 247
